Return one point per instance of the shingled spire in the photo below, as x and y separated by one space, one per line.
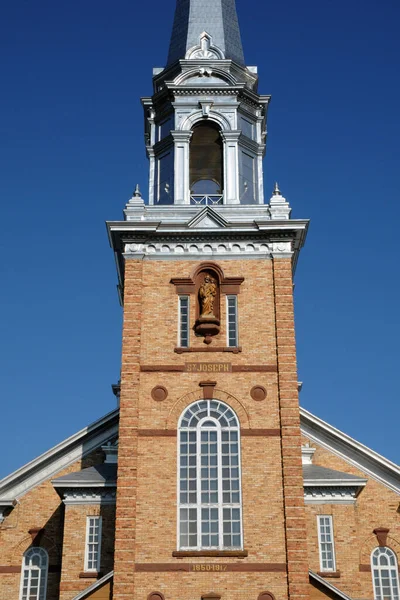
217 18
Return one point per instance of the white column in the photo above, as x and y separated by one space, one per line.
231 166
181 166
152 173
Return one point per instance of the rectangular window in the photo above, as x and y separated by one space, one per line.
326 545
93 544
232 321
184 321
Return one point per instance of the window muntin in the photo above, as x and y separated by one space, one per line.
385 578
34 574
93 544
184 337
326 544
232 321
209 488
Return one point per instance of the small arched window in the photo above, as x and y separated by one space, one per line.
34 574
385 577
209 478
206 160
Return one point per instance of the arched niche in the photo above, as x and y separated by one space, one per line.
206 158
208 296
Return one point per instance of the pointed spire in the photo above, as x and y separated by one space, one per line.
277 191
206 24
137 193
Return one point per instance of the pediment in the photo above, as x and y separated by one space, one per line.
207 218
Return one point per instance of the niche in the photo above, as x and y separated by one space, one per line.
207 304
206 159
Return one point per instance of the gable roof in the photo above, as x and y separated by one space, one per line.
370 462
104 429
86 593
331 590
59 457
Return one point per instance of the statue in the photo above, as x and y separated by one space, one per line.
207 293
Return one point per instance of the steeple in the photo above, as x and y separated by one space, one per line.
217 18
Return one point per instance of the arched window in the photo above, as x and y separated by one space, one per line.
385 578
206 160
34 574
209 478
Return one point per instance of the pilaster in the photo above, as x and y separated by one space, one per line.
125 532
231 166
293 495
181 166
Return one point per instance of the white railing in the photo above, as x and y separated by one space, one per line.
206 198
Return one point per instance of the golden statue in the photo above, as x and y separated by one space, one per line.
207 293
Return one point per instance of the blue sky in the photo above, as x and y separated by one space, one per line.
71 152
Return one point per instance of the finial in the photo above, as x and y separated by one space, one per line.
137 193
277 191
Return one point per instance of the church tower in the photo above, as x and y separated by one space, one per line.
210 489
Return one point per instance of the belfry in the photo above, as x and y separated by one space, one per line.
207 481
208 360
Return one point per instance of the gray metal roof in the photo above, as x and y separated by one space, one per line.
104 475
316 475
216 17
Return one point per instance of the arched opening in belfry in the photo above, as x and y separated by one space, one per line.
206 162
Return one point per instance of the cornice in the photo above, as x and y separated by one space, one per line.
330 495
76 496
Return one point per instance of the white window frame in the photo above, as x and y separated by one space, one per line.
230 297
219 505
180 297
43 569
376 571
320 543
87 544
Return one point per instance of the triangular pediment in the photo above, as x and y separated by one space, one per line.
207 218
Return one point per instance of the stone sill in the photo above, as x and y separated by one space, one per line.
90 575
332 574
210 553
233 349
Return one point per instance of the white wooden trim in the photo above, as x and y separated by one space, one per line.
321 564
390 568
228 297
86 563
44 571
220 505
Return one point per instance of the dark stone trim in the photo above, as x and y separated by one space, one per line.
258 393
90 575
156 596
329 574
157 432
243 432
17 569
211 596
159 393
381 535
208 389
231 567
235 368
162 368
10 569
260 432
233 349
254 368
210 553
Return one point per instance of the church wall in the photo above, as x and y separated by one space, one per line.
74 578
39 509
146 533
353 524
